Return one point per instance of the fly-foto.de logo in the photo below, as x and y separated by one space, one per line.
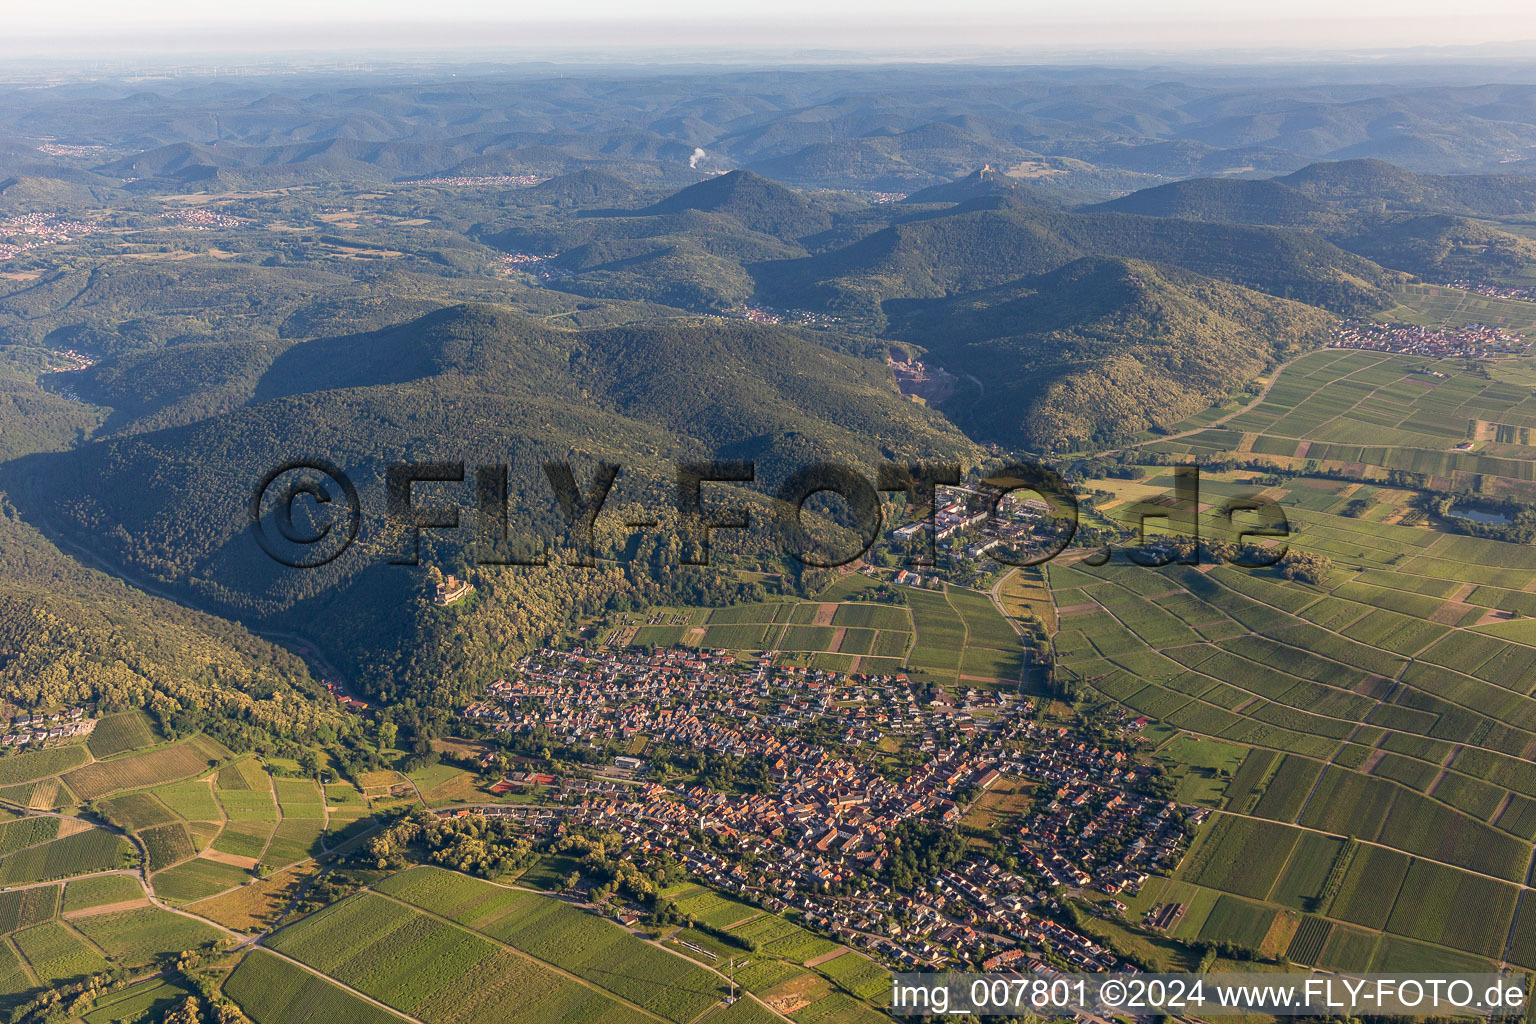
306 513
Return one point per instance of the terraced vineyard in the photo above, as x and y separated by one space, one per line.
1381 725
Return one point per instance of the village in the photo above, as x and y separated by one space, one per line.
846 763
481 181
30 231
197 218
40 729
1494 291
1469 341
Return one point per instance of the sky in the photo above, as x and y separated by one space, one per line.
910 27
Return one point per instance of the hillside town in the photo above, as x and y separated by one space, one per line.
1495 291
848 763
1469 341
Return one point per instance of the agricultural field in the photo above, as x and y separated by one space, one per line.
180 760
137 938
193 800
776 972
197 879
20 833
57 953
81 853
146 1000
1326 403
39 764
135 811
559 934
101 891
955 637
120 733
257 905
408 959
1380 705
22 908
271 990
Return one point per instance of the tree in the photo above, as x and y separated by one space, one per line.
1306 566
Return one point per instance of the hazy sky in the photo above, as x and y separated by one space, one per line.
87 26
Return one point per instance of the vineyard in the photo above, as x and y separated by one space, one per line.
406 959
180 760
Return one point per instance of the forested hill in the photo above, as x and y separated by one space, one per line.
758 203
1378 185
1233 200
69 634
968 250
1102 348
483 385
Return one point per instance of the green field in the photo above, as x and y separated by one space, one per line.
117 734
101 891
180 760
144 936
57 953
39 764
82 853
1370 705
411 960
558 934
272 991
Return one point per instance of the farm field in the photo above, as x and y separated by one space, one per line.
785 984
955 636
406 958
180 760
140 937
39 764
556 933
81 853
1370 413
272 991
145 1000
1376 706
120 733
